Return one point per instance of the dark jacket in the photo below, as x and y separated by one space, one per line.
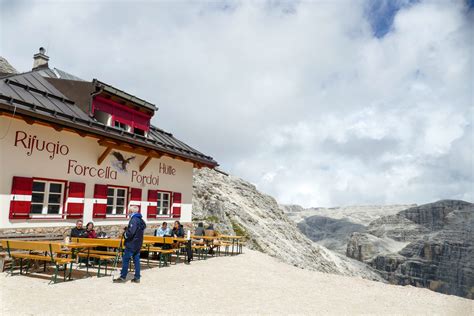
178 232
133 235
81 233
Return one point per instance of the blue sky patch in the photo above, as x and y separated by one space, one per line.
381 13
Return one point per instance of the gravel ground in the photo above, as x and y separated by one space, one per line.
249 283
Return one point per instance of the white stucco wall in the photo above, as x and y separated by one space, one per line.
14 161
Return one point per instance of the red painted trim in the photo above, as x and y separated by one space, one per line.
123 114
151 210
20 209
121 106
78 208
176 211
100 192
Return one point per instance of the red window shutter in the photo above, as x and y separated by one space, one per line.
136 197
152 200
20 203
75 200
176 208
99 209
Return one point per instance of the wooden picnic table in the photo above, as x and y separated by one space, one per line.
180 239
231 237
76 247
157 239
205 237
48 248
235 241
165 253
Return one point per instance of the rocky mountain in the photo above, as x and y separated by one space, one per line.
425 246
431 245
331 233
332 227
236 206
6 68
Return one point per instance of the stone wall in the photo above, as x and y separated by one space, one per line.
57 232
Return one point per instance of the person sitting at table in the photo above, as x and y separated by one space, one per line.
211 232
163 230
78 231
199 230
210 226
90 230
178 231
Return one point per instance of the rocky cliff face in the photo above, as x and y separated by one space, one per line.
331 233
357 214
332 227
235 206
364 246
439 250
5 67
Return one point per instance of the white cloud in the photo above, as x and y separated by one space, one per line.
299 98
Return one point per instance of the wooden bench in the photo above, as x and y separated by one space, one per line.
165 254
223 244
201 250
102 242
48 250
27 237
32 237
102 256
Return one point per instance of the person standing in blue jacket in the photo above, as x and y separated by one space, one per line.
133 236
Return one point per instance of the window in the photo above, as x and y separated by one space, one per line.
121 126
116 201
163 203
47 197
139 131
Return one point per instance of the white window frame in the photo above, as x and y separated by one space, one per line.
114 204
159 204
45 203
121 126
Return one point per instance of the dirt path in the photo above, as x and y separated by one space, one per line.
249 283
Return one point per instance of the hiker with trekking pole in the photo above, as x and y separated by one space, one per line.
133 236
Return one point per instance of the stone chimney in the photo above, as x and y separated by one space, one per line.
40 60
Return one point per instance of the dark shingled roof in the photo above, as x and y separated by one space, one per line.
57 73
31 94
124 95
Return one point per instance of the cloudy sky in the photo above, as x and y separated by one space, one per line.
319 103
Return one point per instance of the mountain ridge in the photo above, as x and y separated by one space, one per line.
236 206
